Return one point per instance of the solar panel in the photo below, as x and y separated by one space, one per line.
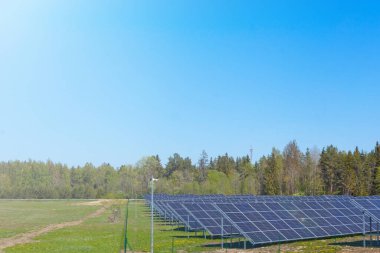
184 216
210 218
371 206
262 222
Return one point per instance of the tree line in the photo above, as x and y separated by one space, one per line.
286 172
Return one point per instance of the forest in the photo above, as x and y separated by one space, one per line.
287 172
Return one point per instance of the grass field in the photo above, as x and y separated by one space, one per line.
18 216
92 228
95 234
165 235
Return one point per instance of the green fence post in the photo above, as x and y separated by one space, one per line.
126 229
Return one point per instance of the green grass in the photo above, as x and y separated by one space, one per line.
139 234
18 216
337 244
96 235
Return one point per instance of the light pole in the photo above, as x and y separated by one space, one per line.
151 213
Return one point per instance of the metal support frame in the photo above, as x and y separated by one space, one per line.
231 236
188 226
364 243
222 244
151 214
370 230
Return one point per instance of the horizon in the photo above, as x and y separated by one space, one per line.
194 161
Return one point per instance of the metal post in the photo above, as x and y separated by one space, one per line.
126 229
245 244
222 233
188 227
370 230
363 230
377 234
231 236
151 214
151 217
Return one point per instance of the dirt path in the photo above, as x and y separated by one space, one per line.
29 236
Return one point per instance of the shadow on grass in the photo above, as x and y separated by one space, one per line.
233 245
359 243
182 229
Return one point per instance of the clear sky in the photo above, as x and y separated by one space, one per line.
113 81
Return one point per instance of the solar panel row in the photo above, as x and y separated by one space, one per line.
268 219
273 222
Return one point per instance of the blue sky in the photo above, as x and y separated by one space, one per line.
113 81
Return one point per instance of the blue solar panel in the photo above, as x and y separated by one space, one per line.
304 233
270 215
260 207
263 219
370 205
314 205
343 229
331 230
275 235
288 206
298 214
210 218
311 213
275 206
263 225
256 216
320 221
279 224
185 216
285 215
301 221
290 234
354 228
318 231
258 237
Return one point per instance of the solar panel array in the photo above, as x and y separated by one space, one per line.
269 222
268 219
370 205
